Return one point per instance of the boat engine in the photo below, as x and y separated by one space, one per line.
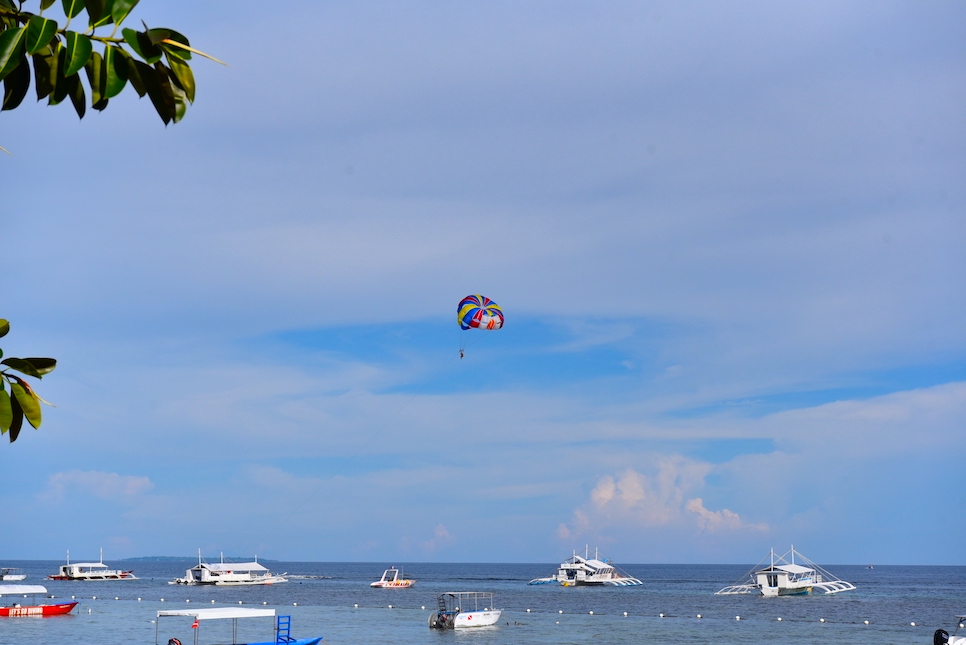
174 641
941 637
440 621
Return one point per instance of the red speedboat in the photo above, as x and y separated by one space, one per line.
10 595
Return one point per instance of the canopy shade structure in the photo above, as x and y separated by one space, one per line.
236 566
16 590
217 613
790 568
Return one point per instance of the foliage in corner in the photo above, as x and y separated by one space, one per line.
21 401
153 61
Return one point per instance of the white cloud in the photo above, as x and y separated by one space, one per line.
722 520
109 486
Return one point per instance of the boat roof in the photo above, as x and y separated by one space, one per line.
93 565
216 613
234 566
789 568
13 590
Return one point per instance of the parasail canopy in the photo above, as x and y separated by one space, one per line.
479 312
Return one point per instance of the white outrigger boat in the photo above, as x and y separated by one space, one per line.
392 578
462 609
228 574
283 624
8 574
585 570
785 577
90 571
958 637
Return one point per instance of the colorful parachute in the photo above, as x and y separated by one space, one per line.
479 312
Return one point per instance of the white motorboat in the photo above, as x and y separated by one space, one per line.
392 578
464 609
228 574
90 571
785 577
585 570
958 637
8 574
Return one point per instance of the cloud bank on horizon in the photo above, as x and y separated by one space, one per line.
728 241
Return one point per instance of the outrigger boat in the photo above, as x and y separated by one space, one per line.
958 637
785 577
12 575
17 609
228 574
585 570
461 609
283 624
90 571
392 578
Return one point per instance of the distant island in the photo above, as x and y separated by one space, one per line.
186 558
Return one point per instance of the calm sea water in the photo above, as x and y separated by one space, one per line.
335 600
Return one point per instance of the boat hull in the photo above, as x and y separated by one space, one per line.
393 585
477 618
297 641
123 575
34 611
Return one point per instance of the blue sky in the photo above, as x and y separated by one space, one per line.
728 240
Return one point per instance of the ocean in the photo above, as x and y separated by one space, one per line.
334 600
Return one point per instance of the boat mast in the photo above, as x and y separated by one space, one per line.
68 556
102 555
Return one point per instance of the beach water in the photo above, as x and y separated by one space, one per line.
334 600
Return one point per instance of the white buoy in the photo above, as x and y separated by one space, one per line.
139 600
557 623
187 599
390 606
88 611
912 624
821 620
591 613
239 602
264 603
779 619
162 600
866 622
737 617
661 615
212 601
528 611
72 598
356 606
93 597
625 613
295 604
699 615
424 607
116 598
560 612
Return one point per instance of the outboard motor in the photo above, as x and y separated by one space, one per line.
174 641
941 637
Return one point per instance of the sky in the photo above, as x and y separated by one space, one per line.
727 238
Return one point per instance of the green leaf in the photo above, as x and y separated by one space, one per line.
132 74
28 403
95 9
4 327
42 75
79 50
115 68
153 87
142 45
77 96
40 31
11 45
106 17
17 419
73 7
42 365
6 412
180 101
45 4
15 86
22 366
97 79
62 84
121 9
183 76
